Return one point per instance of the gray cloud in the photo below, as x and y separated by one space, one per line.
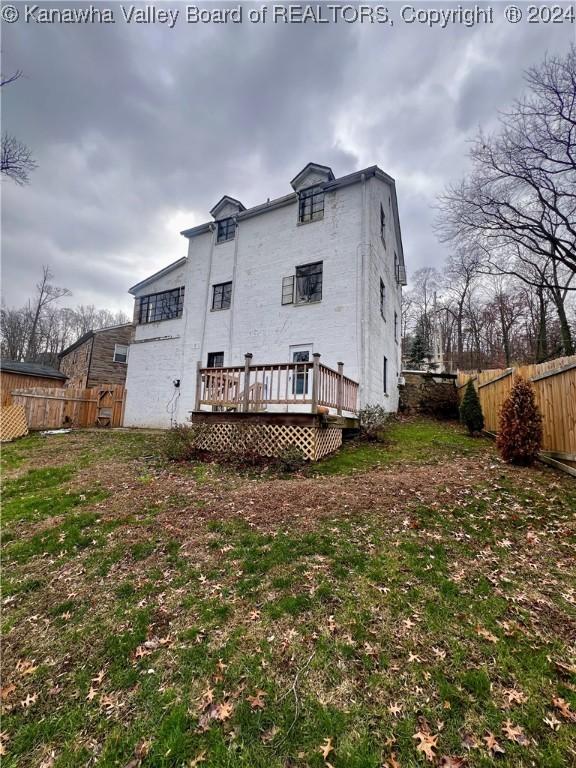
139 130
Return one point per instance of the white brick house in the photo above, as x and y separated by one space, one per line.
319 270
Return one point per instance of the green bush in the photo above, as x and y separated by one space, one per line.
373 420
471 411
520 429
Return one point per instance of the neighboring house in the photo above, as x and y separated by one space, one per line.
98 357
319 270
15 375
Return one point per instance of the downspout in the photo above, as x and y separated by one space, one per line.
207 293
234 289
183 368
364 325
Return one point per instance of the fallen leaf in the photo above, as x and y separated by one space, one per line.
514 733
486 634
99 677
92 693
26 667
563 707
257 702
493 745
448 761
393 763
326 748
395 709
469 741
552 721
225 710
427 745
6 691
29 700
515 696
200 758
142 748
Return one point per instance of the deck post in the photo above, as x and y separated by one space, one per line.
340 390
315 381
198 386
247 361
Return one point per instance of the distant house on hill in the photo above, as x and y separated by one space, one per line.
98 357
17 375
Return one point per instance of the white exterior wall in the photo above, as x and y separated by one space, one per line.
345 326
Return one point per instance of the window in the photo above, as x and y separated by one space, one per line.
226 230
309 283
382 298
300 379
383 225
311 204
385 375
396 327
166 305
396 267
120 353
222 296
215 359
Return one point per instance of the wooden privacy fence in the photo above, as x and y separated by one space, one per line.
554 385
50 408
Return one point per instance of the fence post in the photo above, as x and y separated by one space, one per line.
315 381
198 386
340 389
247 361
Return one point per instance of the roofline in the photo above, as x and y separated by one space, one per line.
161 272
7 365
88 335
279 202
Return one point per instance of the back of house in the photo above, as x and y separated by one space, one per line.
319 270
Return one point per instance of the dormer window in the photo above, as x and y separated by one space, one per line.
310 204
226 230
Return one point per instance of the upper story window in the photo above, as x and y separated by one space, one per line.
305 287
396 267
310 204
165 305
120 353
226 230
383 225
396 327
222 296
309 283
382 298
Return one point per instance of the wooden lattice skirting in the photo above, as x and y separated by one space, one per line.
269 439
12 422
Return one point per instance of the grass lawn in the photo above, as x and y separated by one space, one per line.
399 605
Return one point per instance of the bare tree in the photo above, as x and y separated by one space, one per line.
46 294
16 160
521 193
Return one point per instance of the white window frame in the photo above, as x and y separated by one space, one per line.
126 347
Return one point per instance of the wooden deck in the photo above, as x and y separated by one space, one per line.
305 387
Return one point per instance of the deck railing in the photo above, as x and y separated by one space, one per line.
254 387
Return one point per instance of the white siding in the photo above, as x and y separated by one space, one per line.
345 326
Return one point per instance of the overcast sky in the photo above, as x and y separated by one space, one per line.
139 130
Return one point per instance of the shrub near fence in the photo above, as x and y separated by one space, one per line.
554 385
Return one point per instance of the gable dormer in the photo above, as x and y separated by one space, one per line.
311 175
226 207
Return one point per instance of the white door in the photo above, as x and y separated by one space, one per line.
301 381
